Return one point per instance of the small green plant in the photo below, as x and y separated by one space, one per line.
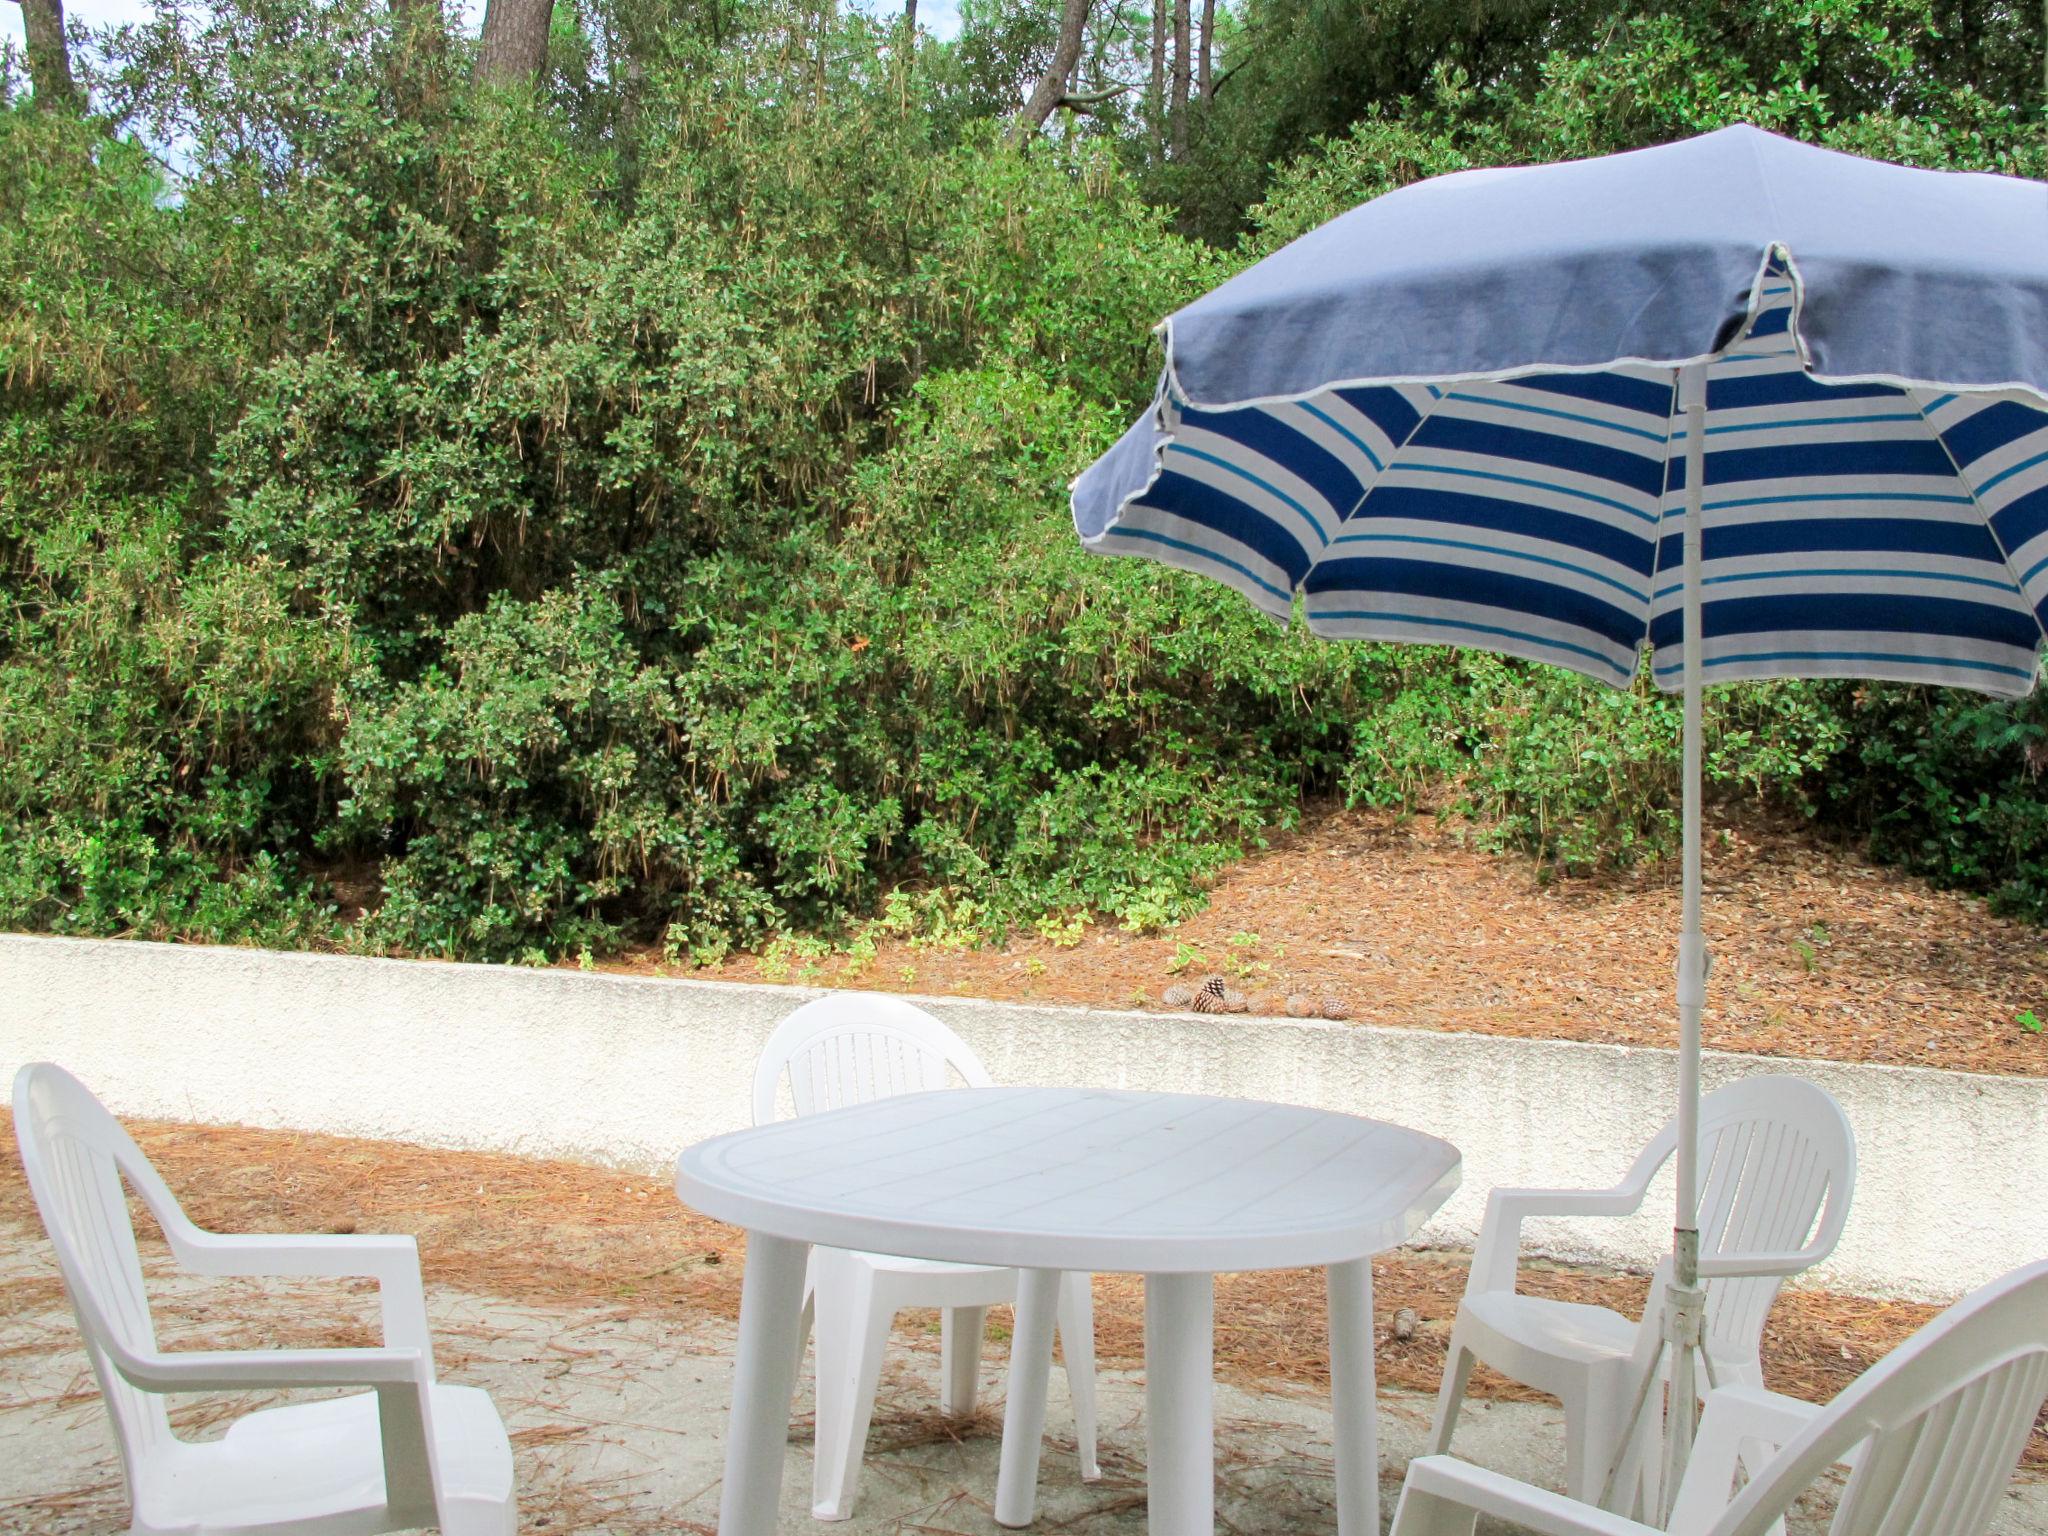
1243 964
1062 930
1034 966
2028 1020
860 951
1184 956
792 954
680 942
1151 909
1809 957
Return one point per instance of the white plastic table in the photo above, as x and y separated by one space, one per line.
1175 1187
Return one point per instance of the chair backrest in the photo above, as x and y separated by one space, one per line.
856 1046
1777 1172
1943 1420
76 1155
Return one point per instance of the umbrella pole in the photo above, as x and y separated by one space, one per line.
1685 1302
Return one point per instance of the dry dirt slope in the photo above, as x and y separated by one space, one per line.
1818 952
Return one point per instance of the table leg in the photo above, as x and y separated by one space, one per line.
1038 1299
1354 1406
1180 1419
764 1375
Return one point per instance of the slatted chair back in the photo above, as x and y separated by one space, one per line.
76 1156
853 1047
1777 1170
1942 1422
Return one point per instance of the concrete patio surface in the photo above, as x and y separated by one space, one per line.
618 1421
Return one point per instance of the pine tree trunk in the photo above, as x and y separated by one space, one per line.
1177 112
1052 85
514 49
49 56
1156 98
1204 82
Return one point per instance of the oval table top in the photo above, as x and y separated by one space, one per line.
1080 1179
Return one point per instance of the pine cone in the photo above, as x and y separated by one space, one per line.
1299 1007
1234 1001
1177 996
1212 996
1333 1008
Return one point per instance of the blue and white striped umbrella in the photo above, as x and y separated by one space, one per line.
1873 526
1751 408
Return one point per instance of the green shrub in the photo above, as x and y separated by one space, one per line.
639 516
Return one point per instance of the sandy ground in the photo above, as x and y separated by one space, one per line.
618 1420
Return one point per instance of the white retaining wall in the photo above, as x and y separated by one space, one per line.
627 1071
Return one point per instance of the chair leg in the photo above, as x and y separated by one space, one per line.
479 1517
1425 1514
1593 1432
1450 1397
852 1331
1077 1350
1639 1460
961 1330
804 1320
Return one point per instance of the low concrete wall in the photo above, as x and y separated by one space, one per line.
628 1070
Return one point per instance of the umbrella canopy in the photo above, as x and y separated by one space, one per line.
1452 416
1754 408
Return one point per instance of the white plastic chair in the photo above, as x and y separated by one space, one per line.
849 1049
1932 1433
1777 1169
410 1452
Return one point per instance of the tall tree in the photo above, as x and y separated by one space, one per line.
1177 111
1155 100
49 56
1204 86
1052 86
514 48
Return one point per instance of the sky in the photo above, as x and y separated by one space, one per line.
939 17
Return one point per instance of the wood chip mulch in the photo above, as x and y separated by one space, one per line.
1405 921
562 1233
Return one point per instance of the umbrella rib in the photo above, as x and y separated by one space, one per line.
1436 398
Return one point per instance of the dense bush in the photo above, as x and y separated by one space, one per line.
547 526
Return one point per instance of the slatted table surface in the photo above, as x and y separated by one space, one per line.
1079 1179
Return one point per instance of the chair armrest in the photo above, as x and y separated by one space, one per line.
387 1259
236 1370
1499 1247
403 1380
1730 1265
1436 1483
392 1261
